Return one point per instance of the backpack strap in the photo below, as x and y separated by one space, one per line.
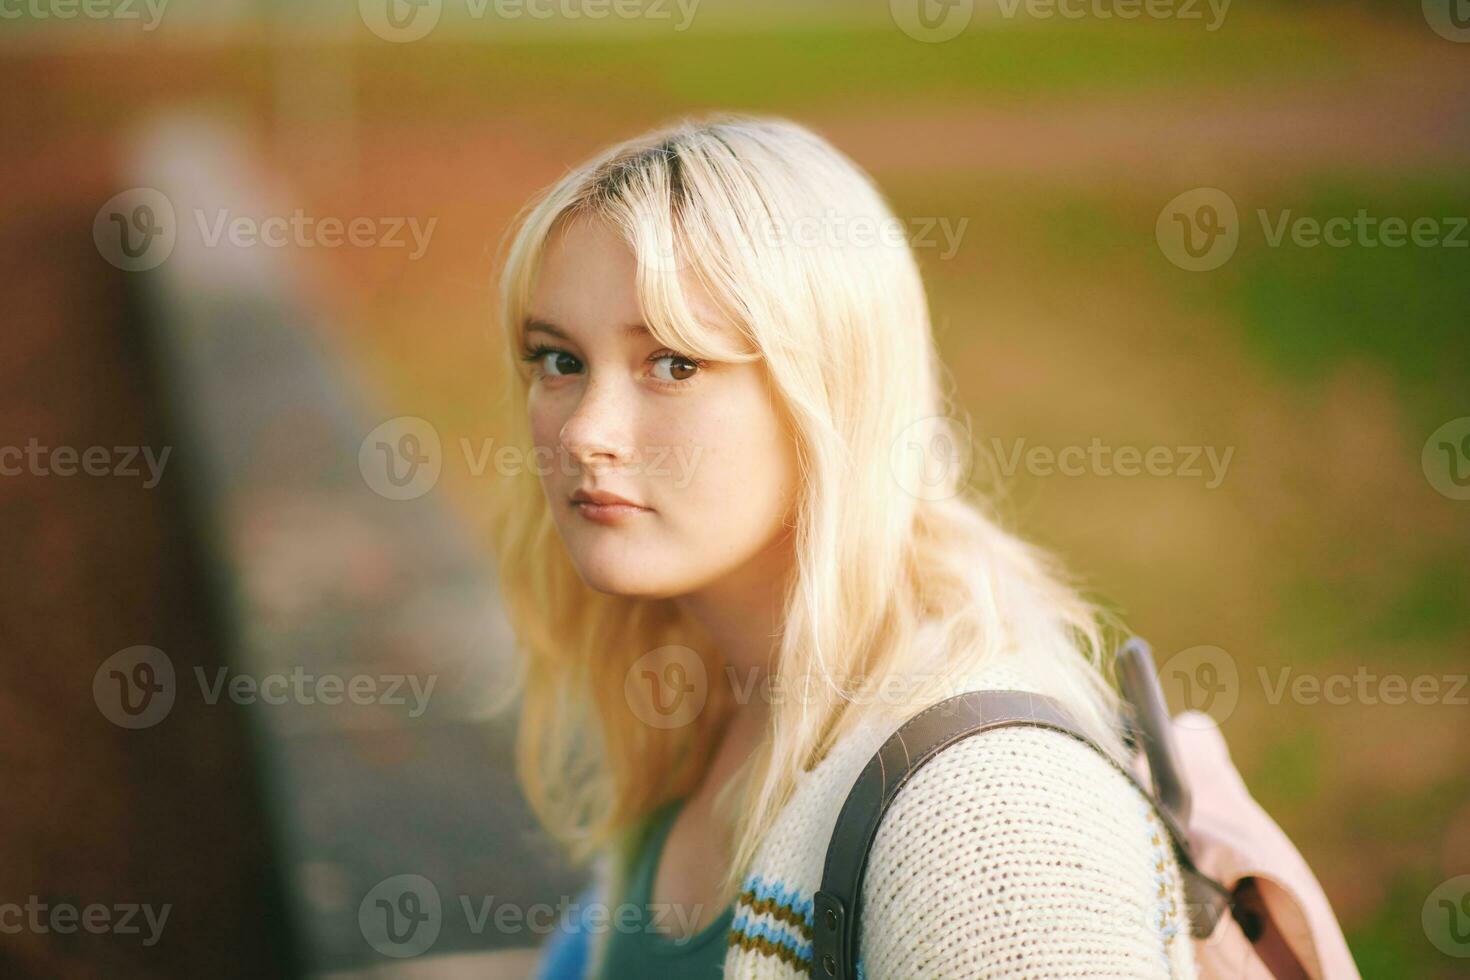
835 906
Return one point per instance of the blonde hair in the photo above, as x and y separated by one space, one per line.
842 328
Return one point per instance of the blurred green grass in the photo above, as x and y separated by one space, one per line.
806 67
1402 307
1301 310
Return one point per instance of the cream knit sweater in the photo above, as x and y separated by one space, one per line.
1016 853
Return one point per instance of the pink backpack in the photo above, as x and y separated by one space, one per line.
1281 924
1232 855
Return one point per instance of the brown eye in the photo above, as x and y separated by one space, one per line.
680 368
557 363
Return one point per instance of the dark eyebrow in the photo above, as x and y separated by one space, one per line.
546 326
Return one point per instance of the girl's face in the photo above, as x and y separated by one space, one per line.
696 449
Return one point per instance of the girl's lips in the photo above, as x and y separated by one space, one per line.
608 513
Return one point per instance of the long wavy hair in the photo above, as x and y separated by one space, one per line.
889 550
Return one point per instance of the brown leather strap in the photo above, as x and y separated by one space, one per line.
835 906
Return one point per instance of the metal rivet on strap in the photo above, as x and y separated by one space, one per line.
830 965
832 919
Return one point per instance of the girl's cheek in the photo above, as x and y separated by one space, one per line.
543 422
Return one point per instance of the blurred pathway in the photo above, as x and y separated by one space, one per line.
384 773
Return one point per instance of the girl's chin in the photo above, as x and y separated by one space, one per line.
631 590
625 575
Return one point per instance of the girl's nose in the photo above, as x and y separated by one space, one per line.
596 433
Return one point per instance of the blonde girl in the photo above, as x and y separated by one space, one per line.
747 551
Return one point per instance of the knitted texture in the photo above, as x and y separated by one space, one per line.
1017 853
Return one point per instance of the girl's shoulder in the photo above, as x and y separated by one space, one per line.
1023 845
